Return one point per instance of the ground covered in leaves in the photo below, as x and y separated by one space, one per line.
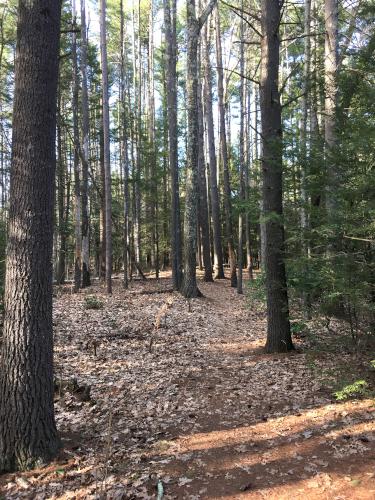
160 397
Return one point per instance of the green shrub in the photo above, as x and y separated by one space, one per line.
358 388
256 289
92 302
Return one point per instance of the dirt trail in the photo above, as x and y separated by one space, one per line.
182 396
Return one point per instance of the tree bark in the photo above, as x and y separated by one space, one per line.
202 187
215 202
106 145
125 156
278 329
85 153
152 149
77 180
224 156
61 184
28 435
242 161
189 286
171 61
304 149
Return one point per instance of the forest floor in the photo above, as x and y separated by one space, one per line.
160 397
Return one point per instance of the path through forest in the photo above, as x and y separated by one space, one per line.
155 393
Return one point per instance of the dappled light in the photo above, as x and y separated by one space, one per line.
187 250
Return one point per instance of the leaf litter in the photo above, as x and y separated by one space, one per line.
160 397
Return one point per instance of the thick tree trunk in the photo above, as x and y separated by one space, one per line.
215 202
106 141
85 153
171 61
278 331
189 286
28 435
224 156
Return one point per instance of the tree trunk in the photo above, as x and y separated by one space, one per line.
278 330
153 159
330 79
171 61
202 186
28 435
138 128
248 145
189 286
85 153
125 157
215 202
77 181
224 156
61 184
304 149
242 160
106 144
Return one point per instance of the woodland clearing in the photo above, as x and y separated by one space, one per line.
160 395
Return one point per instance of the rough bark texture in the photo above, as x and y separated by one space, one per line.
171 60
189 286
106 145
215 202
278 330
28 435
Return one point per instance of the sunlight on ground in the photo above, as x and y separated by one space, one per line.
329 417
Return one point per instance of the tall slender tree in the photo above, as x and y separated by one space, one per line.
214 192
224 156
106 149
330 78
28 435
278 329
77 176
202 186
85 151
124 139
171 86
242 158
189 286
